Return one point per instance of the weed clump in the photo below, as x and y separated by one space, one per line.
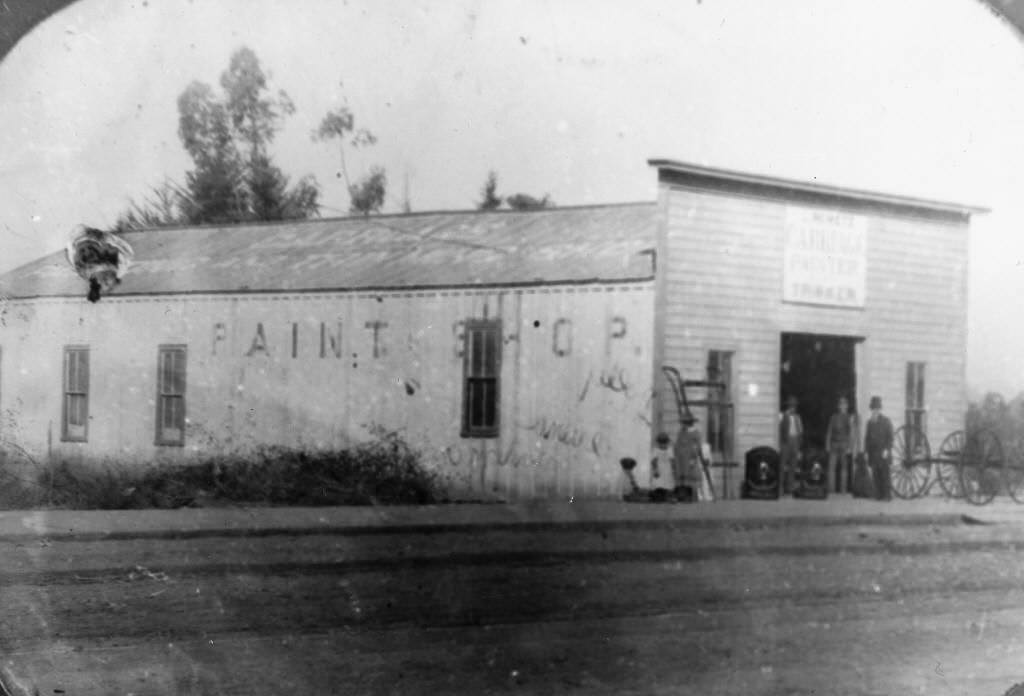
384 471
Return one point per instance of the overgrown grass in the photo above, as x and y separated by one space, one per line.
385 471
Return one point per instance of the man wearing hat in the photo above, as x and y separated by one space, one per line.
791 437
878 447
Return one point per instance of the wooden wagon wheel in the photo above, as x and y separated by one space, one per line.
947 463
911 462
1013 472
981 467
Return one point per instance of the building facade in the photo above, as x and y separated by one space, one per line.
512 350
779 288
522 353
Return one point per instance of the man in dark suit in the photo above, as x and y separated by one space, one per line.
878 447
791 436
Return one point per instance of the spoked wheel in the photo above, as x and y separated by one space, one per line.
947 464
1013 473
981 469
911 462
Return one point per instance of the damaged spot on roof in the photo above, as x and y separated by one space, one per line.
99 257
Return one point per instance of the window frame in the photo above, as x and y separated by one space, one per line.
489 374
914 399
159 436
721 435
66 433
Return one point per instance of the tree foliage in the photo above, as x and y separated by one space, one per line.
993 412
228 137
367 194
522 201
161 208
490 200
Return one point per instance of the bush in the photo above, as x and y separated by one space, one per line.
385 471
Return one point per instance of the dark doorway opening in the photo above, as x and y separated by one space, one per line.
817 369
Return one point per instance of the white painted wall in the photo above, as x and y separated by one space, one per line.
720 262
566 420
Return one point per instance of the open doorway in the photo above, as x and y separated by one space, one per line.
817 369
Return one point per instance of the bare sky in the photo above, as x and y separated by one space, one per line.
920 97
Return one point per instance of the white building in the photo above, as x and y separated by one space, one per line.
521 352
512 349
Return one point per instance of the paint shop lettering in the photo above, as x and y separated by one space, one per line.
260 341
325 340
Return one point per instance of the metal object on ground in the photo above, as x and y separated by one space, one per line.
761 479
813 475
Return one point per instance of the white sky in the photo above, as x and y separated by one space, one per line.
570 98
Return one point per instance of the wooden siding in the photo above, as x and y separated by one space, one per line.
720 266
575 378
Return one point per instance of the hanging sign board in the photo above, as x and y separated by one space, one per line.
825 256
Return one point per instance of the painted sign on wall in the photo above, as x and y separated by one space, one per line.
825 257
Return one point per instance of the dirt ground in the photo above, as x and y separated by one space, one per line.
834 609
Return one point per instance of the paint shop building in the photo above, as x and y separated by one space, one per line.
512 349
521 352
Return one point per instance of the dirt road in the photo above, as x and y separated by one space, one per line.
643 608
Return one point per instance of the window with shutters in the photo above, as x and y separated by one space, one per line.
170 397
481 369
915 408
719 390
75 409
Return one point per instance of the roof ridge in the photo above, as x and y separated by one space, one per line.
389 216
469 248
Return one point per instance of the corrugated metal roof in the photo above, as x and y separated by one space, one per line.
559 245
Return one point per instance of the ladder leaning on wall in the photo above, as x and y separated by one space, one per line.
716 402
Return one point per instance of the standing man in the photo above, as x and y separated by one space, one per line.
878 447
791 436
840 443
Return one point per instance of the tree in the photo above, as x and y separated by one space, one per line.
367 194
490 200
522 201
228 138
162 208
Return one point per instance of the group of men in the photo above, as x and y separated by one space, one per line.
679 470
842 443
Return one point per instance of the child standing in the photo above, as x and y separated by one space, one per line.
663 469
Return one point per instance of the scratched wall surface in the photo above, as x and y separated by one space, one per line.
315 370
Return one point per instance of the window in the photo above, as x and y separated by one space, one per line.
75 410
481 368
719 378
915 414
170 396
